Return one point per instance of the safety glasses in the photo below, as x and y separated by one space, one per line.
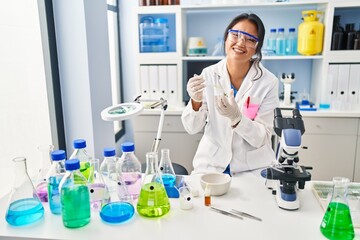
236 35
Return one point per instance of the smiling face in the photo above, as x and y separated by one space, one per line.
238 50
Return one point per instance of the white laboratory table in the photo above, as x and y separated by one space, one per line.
247 193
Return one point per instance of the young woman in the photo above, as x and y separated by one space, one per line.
233 101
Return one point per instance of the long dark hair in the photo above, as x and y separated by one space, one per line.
261 35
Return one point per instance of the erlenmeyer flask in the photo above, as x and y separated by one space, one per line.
166 169
24 206
168 174
99 192
41 181
119 210
153 200
337 223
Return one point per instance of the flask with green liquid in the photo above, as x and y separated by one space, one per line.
337 223
153 200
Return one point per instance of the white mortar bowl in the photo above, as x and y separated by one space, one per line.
219 183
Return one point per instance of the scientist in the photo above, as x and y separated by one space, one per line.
234 100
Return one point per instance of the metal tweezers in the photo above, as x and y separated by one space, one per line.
245 215
226 213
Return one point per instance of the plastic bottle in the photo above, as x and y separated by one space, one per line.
280 42
85 160
153 200
291 42
271 41
130 168
337 222
41 180
75 197
54 176
25 207
337 41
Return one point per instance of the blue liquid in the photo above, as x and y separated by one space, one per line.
280 46
54 194
24 211
117 212
168 179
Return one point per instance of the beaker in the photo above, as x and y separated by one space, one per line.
153 200
99 192
337 223
24 205
186 198
41 181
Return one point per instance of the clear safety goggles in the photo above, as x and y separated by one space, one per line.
236 35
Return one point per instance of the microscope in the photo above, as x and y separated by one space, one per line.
285 177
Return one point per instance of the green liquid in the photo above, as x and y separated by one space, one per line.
75 206
153 201
87 170
337 223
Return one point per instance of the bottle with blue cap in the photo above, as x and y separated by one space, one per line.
54 176
281 42
80 153
291 42
130 168
74 196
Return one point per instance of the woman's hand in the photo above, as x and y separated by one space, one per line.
227 107
195 88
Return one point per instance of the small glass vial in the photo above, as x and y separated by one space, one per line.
75 197
54 176
207 196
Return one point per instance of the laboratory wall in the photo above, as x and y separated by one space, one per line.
24 117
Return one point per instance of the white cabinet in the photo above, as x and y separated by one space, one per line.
174 137
332 144
357 159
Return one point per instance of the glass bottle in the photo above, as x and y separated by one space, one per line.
337 41
54 176
271 41
350 36
280 42
24 206
74 195
168 174
130 168
41 180
85 160
99 192
153 201
291 42
121 210
337 223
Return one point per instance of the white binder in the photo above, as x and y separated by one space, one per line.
332 81
154 82
163 85
172 83
144 82
354 84
343 84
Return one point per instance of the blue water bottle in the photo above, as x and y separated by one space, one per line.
54 176
291 42
271 41
280 42
75 196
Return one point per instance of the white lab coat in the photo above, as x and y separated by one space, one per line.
246 147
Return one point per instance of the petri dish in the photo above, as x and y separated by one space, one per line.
117 212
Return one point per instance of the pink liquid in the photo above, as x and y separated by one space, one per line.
42 192
98 196
133 183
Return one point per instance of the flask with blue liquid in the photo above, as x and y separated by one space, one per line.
74 195
24 206
54 176
168 174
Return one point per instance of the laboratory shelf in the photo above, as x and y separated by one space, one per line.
344 56
213 58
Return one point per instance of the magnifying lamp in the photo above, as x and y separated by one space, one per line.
129 110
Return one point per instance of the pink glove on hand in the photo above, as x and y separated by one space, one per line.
227 107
